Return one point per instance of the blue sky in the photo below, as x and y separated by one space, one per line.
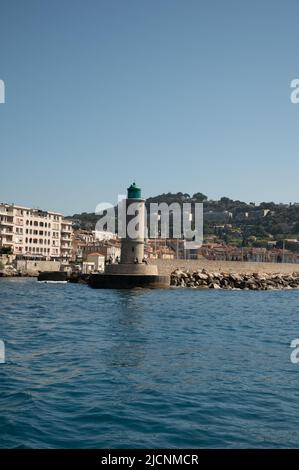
186 95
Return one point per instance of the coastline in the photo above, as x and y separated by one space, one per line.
203 279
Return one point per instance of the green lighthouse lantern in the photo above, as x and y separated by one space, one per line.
134 192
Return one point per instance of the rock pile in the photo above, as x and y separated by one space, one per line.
255 281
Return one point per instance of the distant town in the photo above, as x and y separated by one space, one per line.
233 231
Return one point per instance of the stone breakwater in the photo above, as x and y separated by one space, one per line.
203 279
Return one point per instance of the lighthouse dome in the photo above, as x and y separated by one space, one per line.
134 192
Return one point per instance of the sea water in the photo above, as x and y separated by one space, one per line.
171 368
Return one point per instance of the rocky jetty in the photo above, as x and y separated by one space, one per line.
219 280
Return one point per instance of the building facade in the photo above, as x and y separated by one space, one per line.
66 240
110 249
34 232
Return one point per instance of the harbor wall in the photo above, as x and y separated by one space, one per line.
166 267
32 268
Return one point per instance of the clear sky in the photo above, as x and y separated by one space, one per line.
181 95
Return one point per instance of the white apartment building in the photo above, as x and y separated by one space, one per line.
104 235
34 232
66 239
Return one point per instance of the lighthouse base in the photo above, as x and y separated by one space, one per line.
128 281
130 269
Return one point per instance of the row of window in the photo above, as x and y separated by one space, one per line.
19 231
41 250
37 249
35 223
21 212
40 241
41 232
37 232
29 249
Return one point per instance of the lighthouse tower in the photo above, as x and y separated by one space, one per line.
132 246
132 222
132 271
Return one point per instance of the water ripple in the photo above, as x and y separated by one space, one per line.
172 368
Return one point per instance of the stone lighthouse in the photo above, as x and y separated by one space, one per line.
133 270
132 246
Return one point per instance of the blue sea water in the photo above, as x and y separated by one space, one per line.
147 368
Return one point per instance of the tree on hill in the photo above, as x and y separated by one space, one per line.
199 197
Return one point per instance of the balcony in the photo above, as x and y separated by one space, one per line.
6 222
6 241
65 253
66 239
6 213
